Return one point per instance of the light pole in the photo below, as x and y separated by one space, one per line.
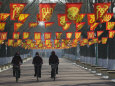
6 50
107 55
96 52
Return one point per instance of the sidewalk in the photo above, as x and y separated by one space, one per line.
69 75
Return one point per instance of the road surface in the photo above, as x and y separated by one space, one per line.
69 75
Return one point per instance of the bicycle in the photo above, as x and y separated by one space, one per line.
54 66
37 71
17 72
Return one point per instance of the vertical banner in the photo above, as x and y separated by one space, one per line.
56 43
37 35
91 18
77 35
17 26
38 41
46 11
79 18
95 40
40 45
58 35
101 9
16 10
90 43
2 26
90 34
67 42
33 24
3 35
66 26
1 41
23 45
110 25
48 43
79 26
48 24
28 41
19 42
62 19
26 35
4 16
104 40
16 35
74 43
99 33
82 44
111 33
72 10
107 17
93 26
32 45
23 17
47 35
10 42
63 45
85 41
68 35
15 44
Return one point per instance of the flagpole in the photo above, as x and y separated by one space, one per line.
107 54
96 46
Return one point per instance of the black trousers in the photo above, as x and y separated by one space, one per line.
14 71
52 71
39 70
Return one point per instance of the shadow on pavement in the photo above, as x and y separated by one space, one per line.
31 81
93 84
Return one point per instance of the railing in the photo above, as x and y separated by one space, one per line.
6 60
9 65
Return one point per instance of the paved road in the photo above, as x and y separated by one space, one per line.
69 75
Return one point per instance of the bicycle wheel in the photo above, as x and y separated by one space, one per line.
37 79
37 75
54 78
17 76
54 74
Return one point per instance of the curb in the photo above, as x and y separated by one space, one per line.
94 72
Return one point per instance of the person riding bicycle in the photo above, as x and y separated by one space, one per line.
16 61
53 59
37 61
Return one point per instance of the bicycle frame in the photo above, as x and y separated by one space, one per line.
17 72
37 75
54 66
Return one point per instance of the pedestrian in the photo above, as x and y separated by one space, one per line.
37 61
53 59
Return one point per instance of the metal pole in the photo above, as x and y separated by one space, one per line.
107 55
96 46
6 50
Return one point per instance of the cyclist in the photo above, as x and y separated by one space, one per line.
37 61
53 59
16 61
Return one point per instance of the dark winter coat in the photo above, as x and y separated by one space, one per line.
16 60
53 59
37 60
